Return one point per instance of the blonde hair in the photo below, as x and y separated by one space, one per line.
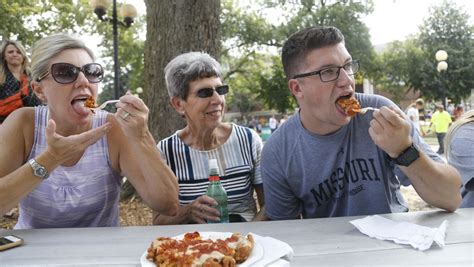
4 68
466 118
48 47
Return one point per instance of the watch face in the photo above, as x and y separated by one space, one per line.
41 172
38 170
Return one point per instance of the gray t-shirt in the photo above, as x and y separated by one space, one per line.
341 174
461 156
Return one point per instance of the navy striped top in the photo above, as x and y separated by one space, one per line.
239 165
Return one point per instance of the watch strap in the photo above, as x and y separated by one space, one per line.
408 156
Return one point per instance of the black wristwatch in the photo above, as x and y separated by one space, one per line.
407 156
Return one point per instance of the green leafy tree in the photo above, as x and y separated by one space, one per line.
411 64
448 29
273 87
27 21
243 81
244 34
399 65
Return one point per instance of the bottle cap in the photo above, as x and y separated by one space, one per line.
213 164
213 167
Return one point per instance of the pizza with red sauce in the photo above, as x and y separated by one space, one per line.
194 250
90 102
350 105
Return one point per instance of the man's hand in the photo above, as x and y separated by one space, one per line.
390 130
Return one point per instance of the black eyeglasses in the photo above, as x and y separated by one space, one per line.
65 73
208 92
332 73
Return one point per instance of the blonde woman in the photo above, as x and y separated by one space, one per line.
15 91
459 143
62 163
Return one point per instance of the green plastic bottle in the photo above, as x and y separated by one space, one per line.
217 192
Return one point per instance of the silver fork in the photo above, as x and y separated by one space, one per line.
105 104
364 110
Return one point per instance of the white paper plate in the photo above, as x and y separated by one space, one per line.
255 255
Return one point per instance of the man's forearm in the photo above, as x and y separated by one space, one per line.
437 183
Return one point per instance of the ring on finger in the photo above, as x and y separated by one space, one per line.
125 115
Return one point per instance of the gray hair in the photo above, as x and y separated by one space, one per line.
466 118
301 43
188 67
49 47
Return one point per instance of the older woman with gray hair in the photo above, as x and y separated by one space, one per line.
459 143
63 163
196 91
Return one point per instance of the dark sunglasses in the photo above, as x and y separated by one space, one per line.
67 73
208 92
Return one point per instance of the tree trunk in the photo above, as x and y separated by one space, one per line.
175 27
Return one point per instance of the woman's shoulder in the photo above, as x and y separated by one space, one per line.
22 116
236 129
174 137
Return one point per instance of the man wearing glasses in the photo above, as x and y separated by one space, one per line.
324 163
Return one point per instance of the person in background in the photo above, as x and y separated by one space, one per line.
459 143
253 124
63 163
196 91
273 123
15 90
283 119
440 121
450 109
324 163
458 112
414 115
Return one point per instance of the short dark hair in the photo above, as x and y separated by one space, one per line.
304 41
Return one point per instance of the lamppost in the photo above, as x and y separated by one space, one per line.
128 12
441 57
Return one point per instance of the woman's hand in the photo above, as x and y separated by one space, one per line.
132 115
64 148
201 210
